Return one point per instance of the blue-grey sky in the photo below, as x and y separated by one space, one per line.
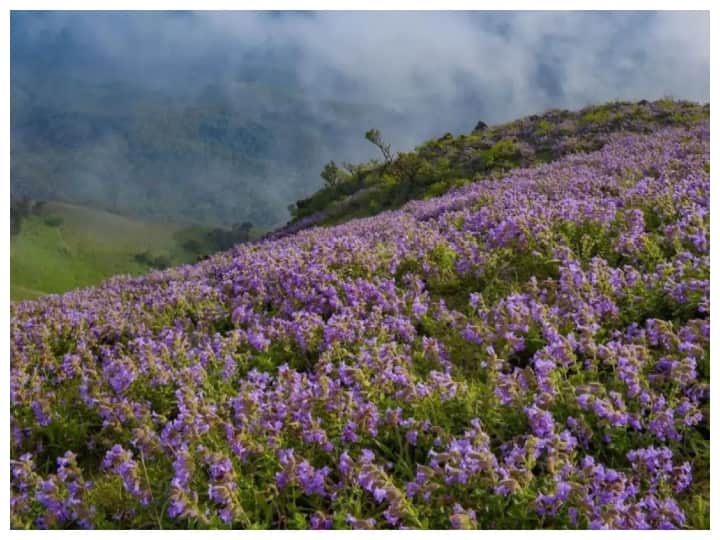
511 63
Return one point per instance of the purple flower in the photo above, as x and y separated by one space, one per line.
541 422
258 340
411 437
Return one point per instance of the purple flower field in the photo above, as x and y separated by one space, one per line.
526 352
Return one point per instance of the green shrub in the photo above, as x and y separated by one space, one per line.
543 127
504 154
53 221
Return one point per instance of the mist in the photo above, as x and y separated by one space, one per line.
413 75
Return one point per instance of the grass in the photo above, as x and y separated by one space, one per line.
67 246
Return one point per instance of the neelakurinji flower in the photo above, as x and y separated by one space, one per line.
544 335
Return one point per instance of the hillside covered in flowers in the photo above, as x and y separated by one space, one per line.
451 161
526 351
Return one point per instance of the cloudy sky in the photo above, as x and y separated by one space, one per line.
510 63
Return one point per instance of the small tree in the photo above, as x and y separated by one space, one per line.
375 138
331 174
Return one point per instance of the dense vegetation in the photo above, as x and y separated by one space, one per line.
530 350
452 161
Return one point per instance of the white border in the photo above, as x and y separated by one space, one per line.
346 5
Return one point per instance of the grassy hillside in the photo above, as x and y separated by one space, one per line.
65 246
451 161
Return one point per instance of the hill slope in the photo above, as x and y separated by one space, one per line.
451 161
528 351
65 246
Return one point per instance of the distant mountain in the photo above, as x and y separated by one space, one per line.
237 152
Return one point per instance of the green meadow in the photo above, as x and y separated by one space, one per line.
66 246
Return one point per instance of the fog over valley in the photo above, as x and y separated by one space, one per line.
218 118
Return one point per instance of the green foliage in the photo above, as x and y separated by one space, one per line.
544 127
597 117
331 174
437 188
159 262
666 103
503 155
436 165
53 221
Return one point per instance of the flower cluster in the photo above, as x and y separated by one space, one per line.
528 351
